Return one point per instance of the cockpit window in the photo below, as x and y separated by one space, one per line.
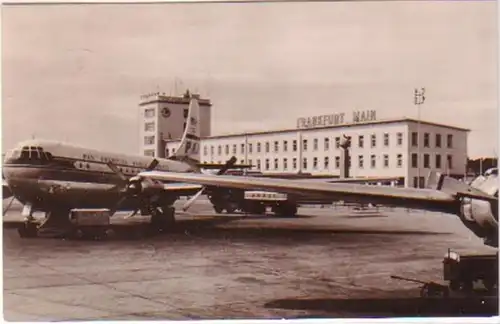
28 154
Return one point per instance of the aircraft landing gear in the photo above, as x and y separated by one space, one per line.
163 218
28 229
285 210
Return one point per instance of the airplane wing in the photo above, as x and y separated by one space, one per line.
429 199
62 186
181 187
354 180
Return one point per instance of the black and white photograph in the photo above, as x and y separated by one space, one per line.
218 160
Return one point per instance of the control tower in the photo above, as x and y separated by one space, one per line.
164 118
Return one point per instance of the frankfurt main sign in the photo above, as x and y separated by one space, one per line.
336 119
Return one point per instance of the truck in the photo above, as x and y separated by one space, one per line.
461 271
252 201
90 222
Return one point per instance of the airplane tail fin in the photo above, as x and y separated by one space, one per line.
189 148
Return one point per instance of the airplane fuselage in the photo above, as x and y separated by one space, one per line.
51 174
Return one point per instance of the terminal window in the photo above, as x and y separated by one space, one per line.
327 162
267 147
242 148
250 148
304 145
148 140
414 139
257 164
399 159
149 127
373 161
276 146
285 164
337 142
304 164
212 150
438 161
250 163
315 163
386 161
315 144
438 140
267 164
450 162
285 146
227 149
386 139
149 152
219 150
294 163
374 140
399 139
234 148
414 160
427 161
449 141
327 143
361 140
337 162
149 112
258 147
205 150
275 164
361 161
294 145
426 139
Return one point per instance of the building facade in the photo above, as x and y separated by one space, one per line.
164 117
404 148
378 148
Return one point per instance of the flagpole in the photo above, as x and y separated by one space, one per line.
419 99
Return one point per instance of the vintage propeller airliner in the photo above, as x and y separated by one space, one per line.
55 177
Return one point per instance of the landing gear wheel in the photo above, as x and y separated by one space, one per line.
285 211
163 220
28 230
454 285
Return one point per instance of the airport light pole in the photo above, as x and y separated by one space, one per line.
419 98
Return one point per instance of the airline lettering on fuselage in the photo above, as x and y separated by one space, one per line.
104 159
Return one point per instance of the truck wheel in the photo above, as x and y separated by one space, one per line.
489 284
454 285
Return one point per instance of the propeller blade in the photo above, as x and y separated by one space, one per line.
8 205
192 200
133 214
115 169
118 204
153 165
228 165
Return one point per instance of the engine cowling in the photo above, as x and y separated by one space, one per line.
481 216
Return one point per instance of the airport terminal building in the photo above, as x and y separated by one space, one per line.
385 148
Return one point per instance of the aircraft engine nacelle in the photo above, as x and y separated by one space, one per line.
481 217
144 187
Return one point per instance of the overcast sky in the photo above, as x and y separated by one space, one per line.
76 72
